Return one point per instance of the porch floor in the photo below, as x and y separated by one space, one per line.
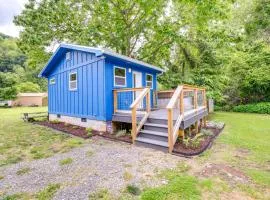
162 114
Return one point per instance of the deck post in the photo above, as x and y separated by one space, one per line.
170 130
134 124
114 101
148 106
196 127
205 105
204 121
196 107
181 131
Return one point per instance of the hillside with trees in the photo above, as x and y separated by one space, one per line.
15 75
222 45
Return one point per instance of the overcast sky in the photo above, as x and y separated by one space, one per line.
8 9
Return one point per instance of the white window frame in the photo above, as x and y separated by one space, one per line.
73 89
114 76
52 81
152 85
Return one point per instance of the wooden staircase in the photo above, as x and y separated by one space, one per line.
154 134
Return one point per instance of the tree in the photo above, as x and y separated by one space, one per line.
28 87
10 54
8 90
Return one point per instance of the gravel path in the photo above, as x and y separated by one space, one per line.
98 164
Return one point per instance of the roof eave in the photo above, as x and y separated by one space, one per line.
122 57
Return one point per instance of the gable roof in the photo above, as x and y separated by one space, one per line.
97 51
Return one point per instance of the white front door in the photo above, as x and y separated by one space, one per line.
137 83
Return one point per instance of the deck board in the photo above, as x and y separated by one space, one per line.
190 116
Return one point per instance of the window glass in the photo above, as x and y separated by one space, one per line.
149 80
119 76
73 77
73 81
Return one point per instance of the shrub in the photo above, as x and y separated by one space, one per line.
55 121
206 132
121 133
89 131
223 108
193 142
132 189
262 108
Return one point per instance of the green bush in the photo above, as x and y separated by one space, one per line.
223 108
132 189
263 108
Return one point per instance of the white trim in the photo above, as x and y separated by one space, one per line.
52 80
73 89
149 81
115 85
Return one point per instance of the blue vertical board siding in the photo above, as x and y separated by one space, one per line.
126 98
89 99
93 98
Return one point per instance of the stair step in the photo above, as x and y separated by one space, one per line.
157 133
156 125
152 142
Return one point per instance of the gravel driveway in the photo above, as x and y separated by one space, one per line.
100 164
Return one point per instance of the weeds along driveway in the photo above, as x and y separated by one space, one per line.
83 170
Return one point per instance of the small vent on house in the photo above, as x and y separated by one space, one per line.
83 119
68 56
58 116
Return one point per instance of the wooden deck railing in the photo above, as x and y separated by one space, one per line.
123 90
140 103
136 127
173 128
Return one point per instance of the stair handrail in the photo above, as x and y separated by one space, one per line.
133 107
173 129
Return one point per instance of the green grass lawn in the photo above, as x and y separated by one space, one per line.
244 134
249 133
21 141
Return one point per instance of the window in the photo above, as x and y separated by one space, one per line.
119 76
52 81
73 81
68 56
149 80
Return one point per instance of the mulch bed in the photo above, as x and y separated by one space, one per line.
179 149
207 141
82 132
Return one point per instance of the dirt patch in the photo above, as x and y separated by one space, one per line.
205 143
235 195
82 132
228 173
242 153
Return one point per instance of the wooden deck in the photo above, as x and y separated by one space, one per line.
190 116
160 127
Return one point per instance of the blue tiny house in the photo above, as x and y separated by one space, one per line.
81 81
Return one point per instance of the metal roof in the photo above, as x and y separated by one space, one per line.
98 52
